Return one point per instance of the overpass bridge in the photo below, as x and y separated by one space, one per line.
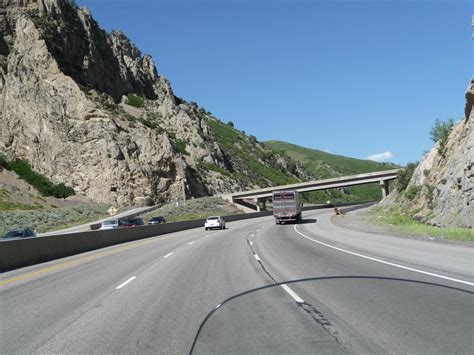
260 196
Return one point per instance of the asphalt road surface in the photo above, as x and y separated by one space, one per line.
150 296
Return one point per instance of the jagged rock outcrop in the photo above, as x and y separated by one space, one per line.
65 87
444 181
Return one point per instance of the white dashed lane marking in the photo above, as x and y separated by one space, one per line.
168 255
292 294
126 282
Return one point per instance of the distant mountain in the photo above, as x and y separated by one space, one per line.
322 165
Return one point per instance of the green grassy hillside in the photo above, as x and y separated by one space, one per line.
324 165
248 160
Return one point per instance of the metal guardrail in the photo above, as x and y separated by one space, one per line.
358 207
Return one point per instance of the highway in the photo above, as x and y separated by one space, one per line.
87 226
151 295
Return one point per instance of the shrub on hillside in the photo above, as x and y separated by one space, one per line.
135 101
180 146
429 189
44 220
404 176
440 133
412 192
3 163
209 166
40 182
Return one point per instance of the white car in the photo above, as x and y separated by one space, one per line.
110 224
214 222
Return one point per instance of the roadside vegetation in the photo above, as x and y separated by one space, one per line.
414 203
45 220
440 133
400 220
45 186
404 176
193 209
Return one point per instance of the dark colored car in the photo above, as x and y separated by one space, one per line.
20 233
157 220
131 222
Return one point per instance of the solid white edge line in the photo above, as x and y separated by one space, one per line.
292 294
190 243
126 282
385 262
168 255
256 257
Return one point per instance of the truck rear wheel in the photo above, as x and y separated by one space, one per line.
298 218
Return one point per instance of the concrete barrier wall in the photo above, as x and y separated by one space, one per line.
23 252
357 207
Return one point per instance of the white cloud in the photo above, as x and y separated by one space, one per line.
326 150
380 156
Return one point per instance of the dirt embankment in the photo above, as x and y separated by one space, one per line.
365 220
19 195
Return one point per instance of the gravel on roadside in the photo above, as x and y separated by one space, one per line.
360 220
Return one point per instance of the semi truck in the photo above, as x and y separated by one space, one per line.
286 206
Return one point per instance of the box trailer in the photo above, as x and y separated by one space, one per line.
286 206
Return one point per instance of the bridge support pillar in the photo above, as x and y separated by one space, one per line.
384 186
261 204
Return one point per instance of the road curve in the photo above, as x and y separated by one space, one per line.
150 296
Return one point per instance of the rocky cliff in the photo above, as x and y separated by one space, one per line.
86 108
442 185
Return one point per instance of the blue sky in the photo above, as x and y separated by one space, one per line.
355 78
